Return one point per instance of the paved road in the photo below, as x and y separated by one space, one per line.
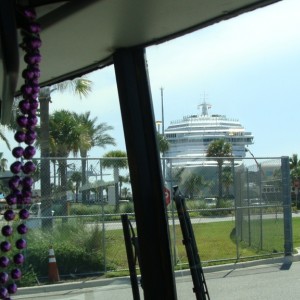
118 225
278 280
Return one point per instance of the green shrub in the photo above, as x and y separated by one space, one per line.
78 249
83 210
126 208
29 277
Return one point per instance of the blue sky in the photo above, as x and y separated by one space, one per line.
248 67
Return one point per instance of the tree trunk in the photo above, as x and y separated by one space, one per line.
116 180
46 201
63 188
83 173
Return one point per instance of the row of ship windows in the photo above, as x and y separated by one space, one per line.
186 140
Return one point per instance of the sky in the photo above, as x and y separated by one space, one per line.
247 68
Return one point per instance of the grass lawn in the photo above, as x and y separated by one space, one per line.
215 241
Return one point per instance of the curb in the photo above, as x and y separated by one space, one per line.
126 280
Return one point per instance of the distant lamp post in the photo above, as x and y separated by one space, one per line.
162 111
247 150
158 123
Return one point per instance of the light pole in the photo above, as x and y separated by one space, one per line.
158 125
162 111
162 128
247 150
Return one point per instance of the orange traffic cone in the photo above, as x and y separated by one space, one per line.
53 274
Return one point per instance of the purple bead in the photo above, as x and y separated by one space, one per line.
34 27
24 106
33 111
27 200
32 120
16 167
29 13
34 96
14 182
21 244
27 192
7 230
29 167
20 136
29 152
34 104
22 229
17 193
22 121
28 74
35 88
26 89
9 215
33 43
19 259
12 288
5 246
20 199
3 277
11 199
3 292
16 274
37 72
30 137
27 182
17 152
32 58
4 261
24 214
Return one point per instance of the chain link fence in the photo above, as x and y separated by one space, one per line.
237 209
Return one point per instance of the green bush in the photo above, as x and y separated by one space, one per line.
126 208
29 277
83 210
78 250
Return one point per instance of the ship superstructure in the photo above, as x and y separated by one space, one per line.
191 136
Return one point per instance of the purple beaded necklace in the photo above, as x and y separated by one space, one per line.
20 184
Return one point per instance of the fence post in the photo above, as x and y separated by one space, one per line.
248 209
103 236
287 212
173 216
237 230
260 202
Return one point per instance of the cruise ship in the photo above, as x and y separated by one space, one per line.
190 137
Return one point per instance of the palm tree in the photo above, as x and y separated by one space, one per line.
3 137
80 87
91 135
227 179
193 184
123 179
294 167
164 146
116 159
64 137
163 143
219 149
76 178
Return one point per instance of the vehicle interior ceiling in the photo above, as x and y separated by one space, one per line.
82 36
101 27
